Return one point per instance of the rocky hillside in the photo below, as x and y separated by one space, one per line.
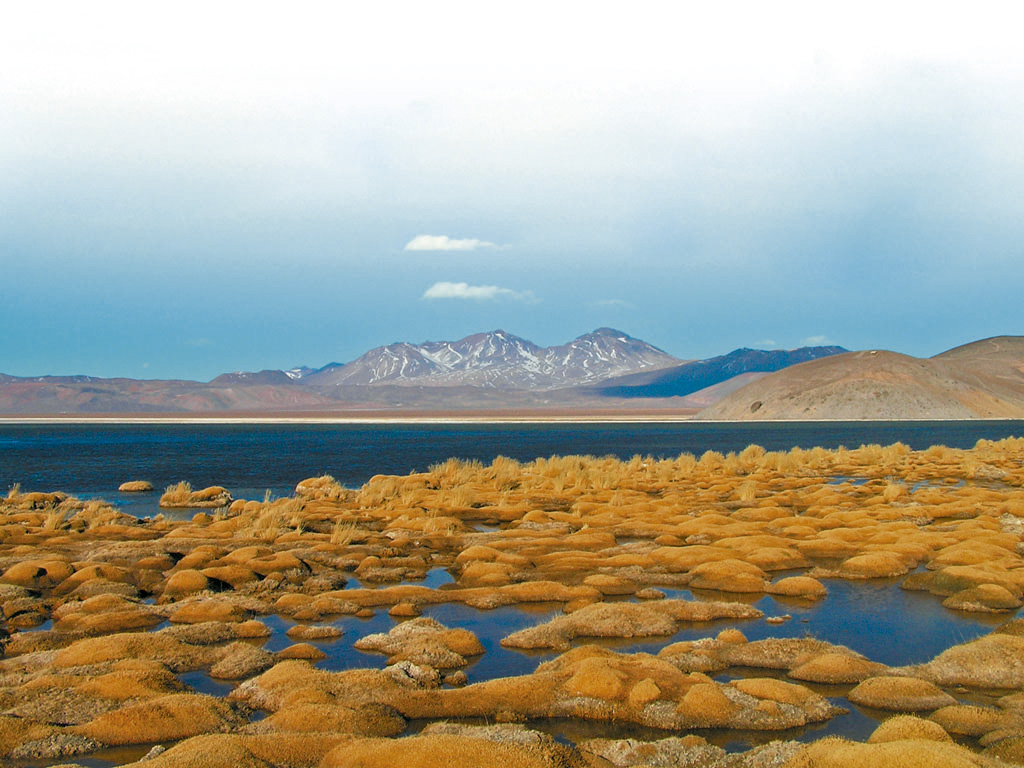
984 379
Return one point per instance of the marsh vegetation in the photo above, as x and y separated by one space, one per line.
664 593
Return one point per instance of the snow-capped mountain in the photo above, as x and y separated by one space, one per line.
498 360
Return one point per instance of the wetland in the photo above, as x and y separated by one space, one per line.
738 606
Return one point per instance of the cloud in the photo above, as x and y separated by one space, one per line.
620 303
766 343
815 341
445 243
445 290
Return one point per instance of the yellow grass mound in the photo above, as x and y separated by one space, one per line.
836 669
424 641
903 727
966 719
834 752
444 750
135 486
903 694
167 718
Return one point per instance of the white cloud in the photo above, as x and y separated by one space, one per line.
766 343
445 290
445 243
620 303
815 341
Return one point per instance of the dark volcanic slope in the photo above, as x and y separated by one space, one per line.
693 376
980 380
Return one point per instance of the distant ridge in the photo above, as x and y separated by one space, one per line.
984 379
602 371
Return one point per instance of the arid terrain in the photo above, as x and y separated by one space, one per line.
984 379
199 637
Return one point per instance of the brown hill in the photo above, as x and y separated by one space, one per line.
984 379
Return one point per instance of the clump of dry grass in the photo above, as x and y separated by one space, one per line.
903 694
135 486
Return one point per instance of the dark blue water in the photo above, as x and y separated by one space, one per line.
91 460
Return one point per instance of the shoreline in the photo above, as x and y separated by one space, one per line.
448 418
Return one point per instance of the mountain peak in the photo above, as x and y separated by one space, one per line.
501 360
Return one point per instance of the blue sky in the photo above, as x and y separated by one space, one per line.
243 186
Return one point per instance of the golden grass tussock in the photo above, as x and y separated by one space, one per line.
322 487
967 719
203 610
706 706
17 731
623 620
904 727
874 565
159 646
774 690
902 694
277 748
37 574
798 586
993 661
442 750
729 575
167 718
135 486
984 598
835 752
330 715
595 620
836 669
181 495
424 641
185 582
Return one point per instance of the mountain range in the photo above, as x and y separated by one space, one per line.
497 360
604 371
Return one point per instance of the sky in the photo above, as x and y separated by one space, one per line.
193 188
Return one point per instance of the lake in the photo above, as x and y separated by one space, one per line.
90 460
